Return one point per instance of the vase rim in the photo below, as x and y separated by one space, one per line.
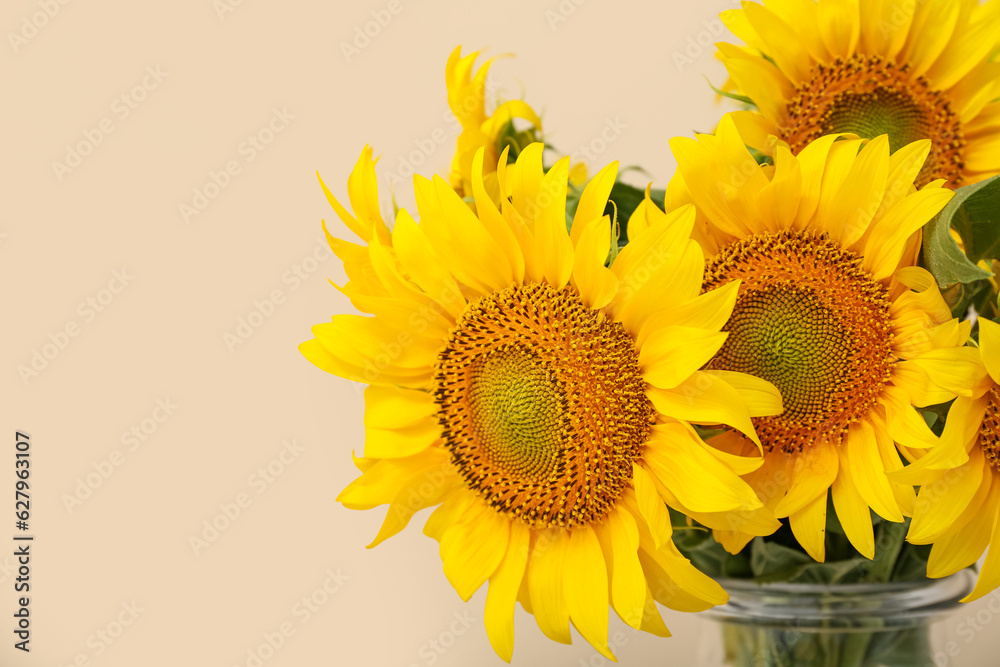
960 579
841 606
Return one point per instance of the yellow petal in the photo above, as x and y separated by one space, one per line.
868 471
905 424
472 256
382 482
699 480
448 514
723 177
884 248
425 489
809 527
494 222
502 594
779 201
989 574
419 259
783 42
755 128
546 587
620 538
709 311
706 399
398 443
933 25
840 26
961 55
650 506
596 283
552 243
812 161
760 80
962 546
473 549
394 407
813 472
652 622
887 24
760 396
989 346
671 354
860 195
593 200
675 582
803 15
940 504
586 586
674 278
957 369
852 510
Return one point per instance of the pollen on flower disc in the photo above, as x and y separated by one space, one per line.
989 431
869 96
542 405
810 320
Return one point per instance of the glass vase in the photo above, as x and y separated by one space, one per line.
850 625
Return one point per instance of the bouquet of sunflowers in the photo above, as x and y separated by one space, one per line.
780 369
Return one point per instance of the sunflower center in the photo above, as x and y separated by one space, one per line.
810 320
869 96
989 431
542 405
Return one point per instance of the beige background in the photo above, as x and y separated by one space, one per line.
156 329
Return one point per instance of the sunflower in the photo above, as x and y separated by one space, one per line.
911 70
833 311
533 393
959 501
494 132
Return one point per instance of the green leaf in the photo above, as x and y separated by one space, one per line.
775 562
977 219
912 563
889 538
975 214
732 96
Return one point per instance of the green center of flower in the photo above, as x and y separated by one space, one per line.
785 334
810 320
882 111
520 412
542 405
868 96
